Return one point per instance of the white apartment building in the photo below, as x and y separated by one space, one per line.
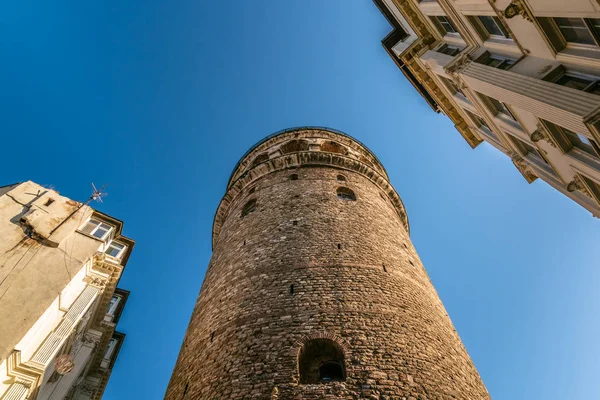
522 75
60 262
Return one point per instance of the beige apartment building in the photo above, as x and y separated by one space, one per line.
60 262
522 75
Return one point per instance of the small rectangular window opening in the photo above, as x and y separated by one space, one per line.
212 336
339 246
291 289
294 222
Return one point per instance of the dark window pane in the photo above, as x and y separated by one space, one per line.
505 64
493 26
594 24
580 141
574 30
573 82
446 24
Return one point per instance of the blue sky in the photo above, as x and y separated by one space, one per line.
160 99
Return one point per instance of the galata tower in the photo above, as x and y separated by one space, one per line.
314 289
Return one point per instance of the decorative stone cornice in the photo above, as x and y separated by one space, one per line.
577 184
541 134
91 339
459 63
524 167
363 162
518 7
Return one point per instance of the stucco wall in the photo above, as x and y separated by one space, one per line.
32 274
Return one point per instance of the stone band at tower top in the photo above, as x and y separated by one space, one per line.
314 289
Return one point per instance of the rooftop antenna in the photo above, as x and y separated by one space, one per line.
97 194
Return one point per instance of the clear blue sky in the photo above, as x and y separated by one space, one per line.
161 98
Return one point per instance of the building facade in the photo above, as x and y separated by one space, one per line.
522 76
60 262
314 289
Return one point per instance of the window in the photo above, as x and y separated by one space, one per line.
497 62
294 146
587 83
333 147
97 229
481 124
115 249
249 207
478 120
525 148
582 142
493 26
489 27
321 361
497 107
579 30
449 50
453 87
259 159
293 177
112 344
567 139
594 188
343 193
574 32
114 303
443 24
341 178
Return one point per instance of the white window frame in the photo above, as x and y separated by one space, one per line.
120 253
99 224
112 308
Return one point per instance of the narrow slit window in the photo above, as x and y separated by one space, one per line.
293 177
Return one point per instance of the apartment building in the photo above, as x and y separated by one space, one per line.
60 262
522 76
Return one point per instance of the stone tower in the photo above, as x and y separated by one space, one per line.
314 289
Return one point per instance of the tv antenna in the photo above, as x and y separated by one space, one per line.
97 194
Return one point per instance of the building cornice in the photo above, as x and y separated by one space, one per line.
247 172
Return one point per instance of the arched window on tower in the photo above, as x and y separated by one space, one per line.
249 207
343 193
321 361
341 178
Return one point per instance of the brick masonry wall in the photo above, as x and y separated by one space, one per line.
356 278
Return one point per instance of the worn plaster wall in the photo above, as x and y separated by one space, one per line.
356 279
32 272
